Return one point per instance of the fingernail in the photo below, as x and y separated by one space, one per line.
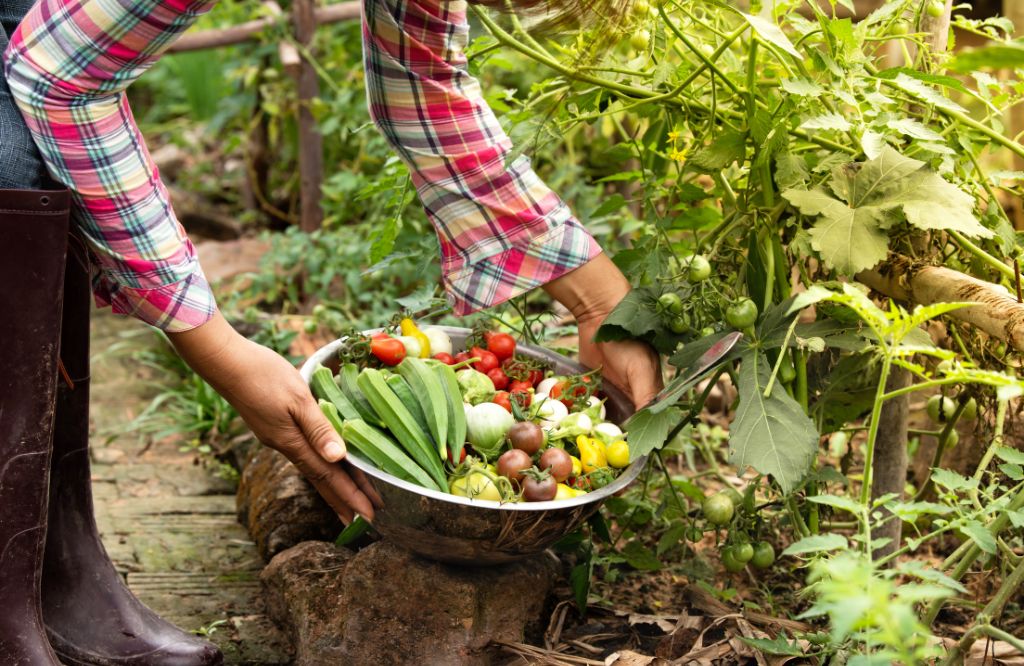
334 451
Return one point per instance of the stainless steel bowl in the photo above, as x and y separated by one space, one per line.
472 531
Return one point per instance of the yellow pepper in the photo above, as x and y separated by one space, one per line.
591 453
577 466
410 329
564 492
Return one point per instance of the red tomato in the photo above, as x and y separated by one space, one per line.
501 345
462 356
504 399
499 378
488 361
524 398
535 377
559 388
387 350
445 358
519 386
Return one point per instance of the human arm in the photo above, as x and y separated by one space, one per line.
68 66
502 231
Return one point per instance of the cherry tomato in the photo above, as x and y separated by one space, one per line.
617 454
504 399
718 509
764 555
445 358
940 408
558 462
539 490
499 378
640 40
741 314
678 325
900 28
729 560
936 8
700 268
518 386
743 552
970 410
462 357
501 345
488 361
512 463
535 377
670 302
526 436
694 534
388 351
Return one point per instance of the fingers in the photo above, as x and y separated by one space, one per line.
365 485
318 431
645 381
334 485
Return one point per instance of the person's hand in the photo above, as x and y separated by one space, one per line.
276 404
591 292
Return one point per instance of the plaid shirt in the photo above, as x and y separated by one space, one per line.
501 230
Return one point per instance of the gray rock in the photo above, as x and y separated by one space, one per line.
386 606
279 507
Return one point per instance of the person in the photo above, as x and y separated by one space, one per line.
501 230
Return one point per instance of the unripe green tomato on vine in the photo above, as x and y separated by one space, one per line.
707 49
706 331
970 410
641 8
718 509
310 326
940 408
743 552
741 314
678 325
901 28
764 555
699 268
729 561
640 40
670 302
936 8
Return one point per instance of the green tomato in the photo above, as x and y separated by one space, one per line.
641 8
670 302
718 509
743 552
640 40
707 49
700 268
678 325
742 314
319 310
900 28
940 408
729 560
936 8
970 410
310 326
694 534
735 496
707 331
953 440
764 555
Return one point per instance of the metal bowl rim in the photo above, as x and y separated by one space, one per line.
624 479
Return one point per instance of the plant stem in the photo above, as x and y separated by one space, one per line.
876 415
992 610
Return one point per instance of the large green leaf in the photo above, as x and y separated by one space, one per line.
851 231
772 435
648 430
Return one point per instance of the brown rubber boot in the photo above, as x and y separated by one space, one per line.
91 616
33 238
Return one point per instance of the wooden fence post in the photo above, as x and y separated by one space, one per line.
311 155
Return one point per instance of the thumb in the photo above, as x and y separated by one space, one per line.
318 431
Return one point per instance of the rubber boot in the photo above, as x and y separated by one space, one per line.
91 616
33 238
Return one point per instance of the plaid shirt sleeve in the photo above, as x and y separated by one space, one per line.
68 65
501 230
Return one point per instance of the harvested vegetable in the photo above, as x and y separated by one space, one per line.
486 427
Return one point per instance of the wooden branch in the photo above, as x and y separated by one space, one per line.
311 153
997 311
248 31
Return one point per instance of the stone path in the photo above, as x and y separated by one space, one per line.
168 523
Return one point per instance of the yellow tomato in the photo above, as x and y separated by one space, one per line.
476 485
617 454
577 466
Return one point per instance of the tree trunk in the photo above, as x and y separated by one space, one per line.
890 466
